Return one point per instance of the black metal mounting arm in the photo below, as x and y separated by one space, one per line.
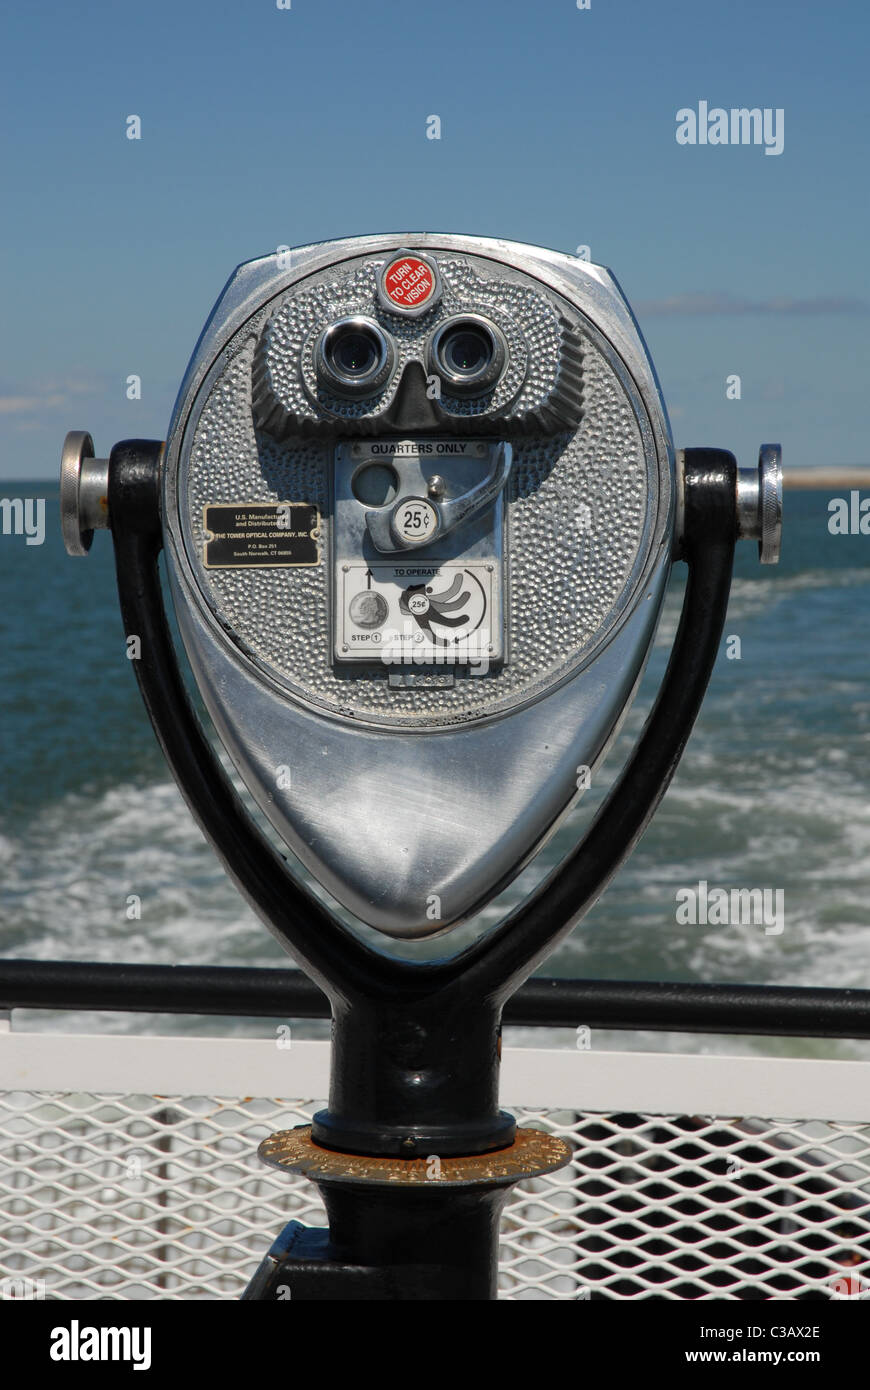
415 1046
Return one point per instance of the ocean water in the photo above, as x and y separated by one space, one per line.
773 790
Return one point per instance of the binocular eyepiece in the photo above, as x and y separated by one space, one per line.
355 356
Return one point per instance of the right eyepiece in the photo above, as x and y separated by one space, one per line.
468 353
354 356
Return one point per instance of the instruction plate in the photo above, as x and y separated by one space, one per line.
446 614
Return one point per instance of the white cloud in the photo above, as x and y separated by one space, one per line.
28 405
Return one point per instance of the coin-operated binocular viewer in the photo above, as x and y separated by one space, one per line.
419 504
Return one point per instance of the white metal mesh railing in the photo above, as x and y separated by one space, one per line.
136 1197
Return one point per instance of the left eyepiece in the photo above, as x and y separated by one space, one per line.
354 357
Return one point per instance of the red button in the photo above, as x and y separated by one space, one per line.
408 282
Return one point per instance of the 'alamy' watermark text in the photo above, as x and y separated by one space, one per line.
741 125
23 516
723 907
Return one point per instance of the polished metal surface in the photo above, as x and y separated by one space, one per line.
759 503
84 484
411 794
394 825
770 503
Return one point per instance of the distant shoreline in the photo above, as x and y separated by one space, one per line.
819 479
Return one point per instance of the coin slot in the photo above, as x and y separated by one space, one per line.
375 484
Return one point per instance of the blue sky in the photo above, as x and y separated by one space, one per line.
263 127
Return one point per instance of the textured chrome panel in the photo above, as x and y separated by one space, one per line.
542 377
579 532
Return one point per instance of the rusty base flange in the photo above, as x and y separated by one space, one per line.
532 1154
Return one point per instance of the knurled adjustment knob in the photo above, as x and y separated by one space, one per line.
759 503
84 488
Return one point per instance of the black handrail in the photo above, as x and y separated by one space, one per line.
240 992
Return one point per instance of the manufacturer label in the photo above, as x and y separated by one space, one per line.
259 535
